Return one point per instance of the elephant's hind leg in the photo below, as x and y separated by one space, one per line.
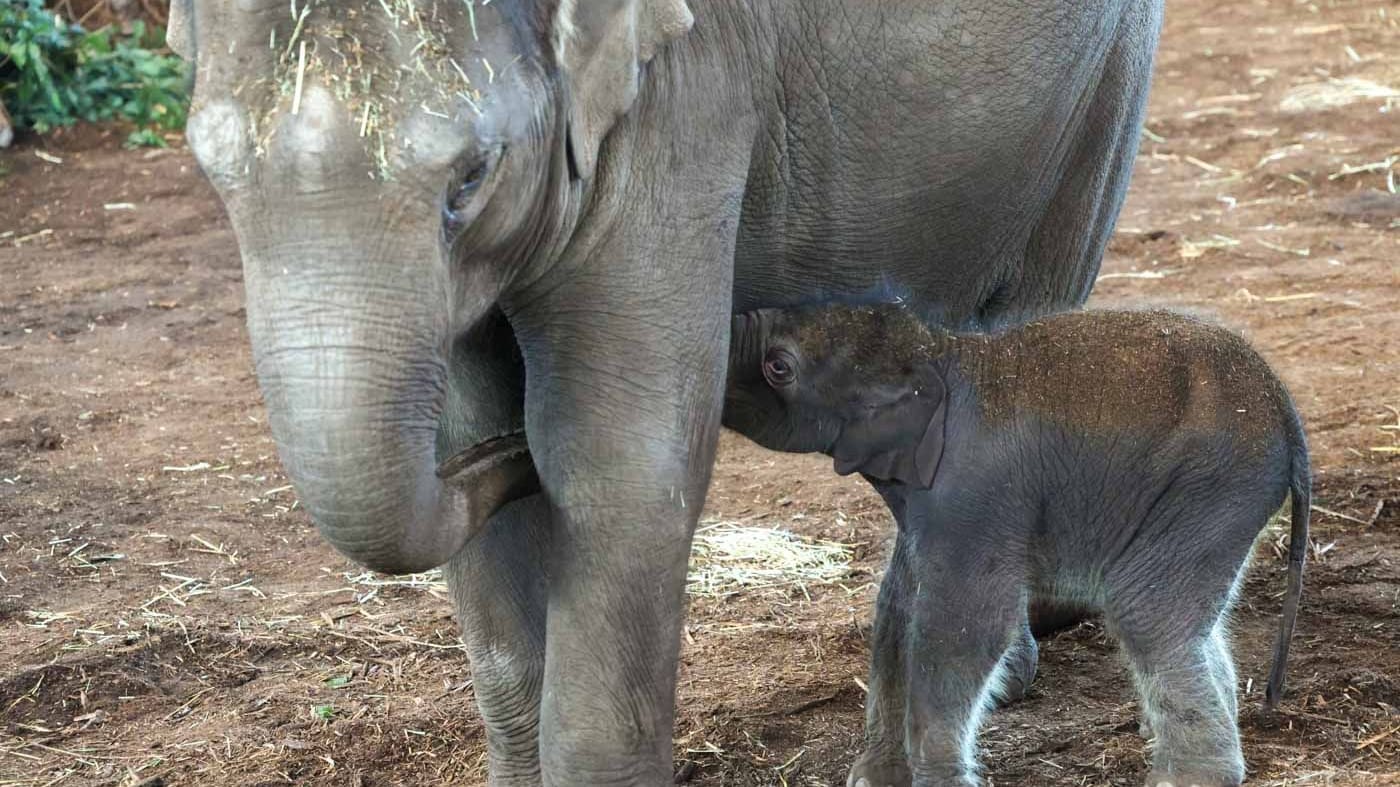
1185 682
1195 740
1019 668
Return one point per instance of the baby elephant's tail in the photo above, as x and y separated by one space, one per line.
1300 490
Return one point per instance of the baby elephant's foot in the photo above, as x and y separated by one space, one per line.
880 769
1160 779
1018 670
1015 685
945 776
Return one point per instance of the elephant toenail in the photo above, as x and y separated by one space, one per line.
1165 784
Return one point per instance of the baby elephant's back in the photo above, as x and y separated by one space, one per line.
1156 374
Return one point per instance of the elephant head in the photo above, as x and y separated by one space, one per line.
856 382
392 170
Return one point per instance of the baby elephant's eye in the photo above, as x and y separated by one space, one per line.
778 369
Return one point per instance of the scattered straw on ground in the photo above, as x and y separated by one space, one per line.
367 584
1333 93
728 558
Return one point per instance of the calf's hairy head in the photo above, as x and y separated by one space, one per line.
854 382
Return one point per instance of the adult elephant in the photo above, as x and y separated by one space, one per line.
460 219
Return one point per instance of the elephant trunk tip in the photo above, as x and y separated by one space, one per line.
441 512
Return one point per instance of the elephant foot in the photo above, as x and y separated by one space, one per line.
1165 779
880 769
1018 670
1013 689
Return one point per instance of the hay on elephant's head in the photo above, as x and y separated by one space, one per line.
729 558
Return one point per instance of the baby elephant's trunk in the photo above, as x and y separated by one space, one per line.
1300 490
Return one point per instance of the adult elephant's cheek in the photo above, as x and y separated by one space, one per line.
220 134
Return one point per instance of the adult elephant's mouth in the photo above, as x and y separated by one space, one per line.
491 474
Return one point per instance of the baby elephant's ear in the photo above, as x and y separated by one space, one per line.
905 444
929 452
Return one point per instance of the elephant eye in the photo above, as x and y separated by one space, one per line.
467 189
779 369
469 193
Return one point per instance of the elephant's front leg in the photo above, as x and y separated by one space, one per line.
497 580
968 611
499 587
625 375
885 761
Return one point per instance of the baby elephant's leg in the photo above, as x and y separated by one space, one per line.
1186 684
1021 660
883 763
1224 671
967 615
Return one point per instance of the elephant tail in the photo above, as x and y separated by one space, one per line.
1300 491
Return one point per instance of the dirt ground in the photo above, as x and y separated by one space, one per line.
168 616
92 14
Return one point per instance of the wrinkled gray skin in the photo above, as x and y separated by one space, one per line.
460 220
1116 461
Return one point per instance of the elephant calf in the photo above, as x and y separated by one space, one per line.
1118 461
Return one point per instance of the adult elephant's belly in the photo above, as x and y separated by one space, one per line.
928 161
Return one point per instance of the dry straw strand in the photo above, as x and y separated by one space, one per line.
729 558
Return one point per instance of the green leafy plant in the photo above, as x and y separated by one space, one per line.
53 74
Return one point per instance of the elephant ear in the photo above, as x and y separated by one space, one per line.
914 460
929 452
179 29
601 46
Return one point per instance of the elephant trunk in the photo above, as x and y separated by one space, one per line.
354 377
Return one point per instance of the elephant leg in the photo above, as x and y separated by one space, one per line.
968 613
1095 167
624 455
1170 630
884 762
499 588
497 580
626 349
1194 735
1020 667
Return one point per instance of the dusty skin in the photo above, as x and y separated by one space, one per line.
226 644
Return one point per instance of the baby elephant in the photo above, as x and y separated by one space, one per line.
1118 461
